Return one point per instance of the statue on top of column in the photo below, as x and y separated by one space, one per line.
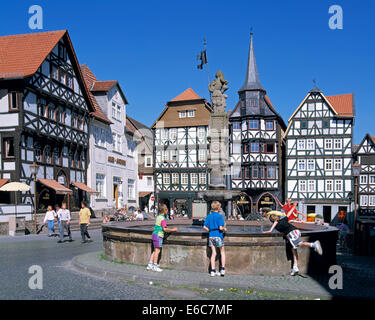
217 88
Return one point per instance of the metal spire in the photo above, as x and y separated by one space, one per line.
252 81
315 88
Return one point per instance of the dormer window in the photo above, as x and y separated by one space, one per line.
191 113
62 52
182 114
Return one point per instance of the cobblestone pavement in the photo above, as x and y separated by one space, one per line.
80 271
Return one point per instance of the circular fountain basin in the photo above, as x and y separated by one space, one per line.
248 250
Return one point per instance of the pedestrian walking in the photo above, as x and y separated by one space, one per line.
65 217
57 209
293 235
84 222
214 224
49 219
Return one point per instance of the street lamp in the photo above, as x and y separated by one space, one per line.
34 168
356 168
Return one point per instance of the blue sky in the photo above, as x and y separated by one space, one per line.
151 48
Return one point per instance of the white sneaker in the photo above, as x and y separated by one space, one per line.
157 268
222 272
294 271
214 273
150 266
318 247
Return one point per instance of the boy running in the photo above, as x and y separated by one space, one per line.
293 235
214 224
157 237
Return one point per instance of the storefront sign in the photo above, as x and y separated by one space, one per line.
242 200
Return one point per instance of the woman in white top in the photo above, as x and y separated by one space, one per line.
49 219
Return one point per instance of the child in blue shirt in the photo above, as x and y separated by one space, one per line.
214 224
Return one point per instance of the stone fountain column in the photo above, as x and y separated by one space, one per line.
218 137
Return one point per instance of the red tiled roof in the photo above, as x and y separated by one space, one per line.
21 55
84 187
90 79
188 94
3 181
342 103
372 138
53 184
103 85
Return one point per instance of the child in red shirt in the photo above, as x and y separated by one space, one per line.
288 206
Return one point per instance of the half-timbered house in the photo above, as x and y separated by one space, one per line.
107 170
365 155
44 117
181 151
256 146
319 154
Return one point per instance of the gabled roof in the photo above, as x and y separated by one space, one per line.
90 79
187 100
342 105
142 129
188 94
103 85
368 137
21 55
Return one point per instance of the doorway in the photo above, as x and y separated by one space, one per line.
327 210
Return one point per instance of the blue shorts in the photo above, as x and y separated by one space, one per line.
157 241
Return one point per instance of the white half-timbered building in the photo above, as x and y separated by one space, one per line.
44 117
107 170
319 154
256 146
181 151
365 155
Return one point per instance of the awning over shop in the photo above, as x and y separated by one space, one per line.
53 184
143 194
3 181
84 187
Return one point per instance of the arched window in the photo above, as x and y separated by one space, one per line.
47 158
56 156
38 152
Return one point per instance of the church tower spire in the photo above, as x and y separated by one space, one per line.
252 81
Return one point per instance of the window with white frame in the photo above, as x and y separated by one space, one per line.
114 110
328 164
329 185
191 113
236 148
131 189
338 144
338 164
310 165
202 178
184 178
165 155
328 144
301 165
302 185
149 181
173 155
363 179
372 179
175 178
173 134
194 178
202 155
100 185
201 133
182 114
338 185
363 200
311 185
166 178
119 113
148 161
271 172
310 144
371 201
301 144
